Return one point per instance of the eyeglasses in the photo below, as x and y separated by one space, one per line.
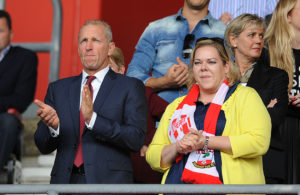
215 39
187 49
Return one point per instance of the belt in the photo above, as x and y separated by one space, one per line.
78 170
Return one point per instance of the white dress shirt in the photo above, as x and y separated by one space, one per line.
96 83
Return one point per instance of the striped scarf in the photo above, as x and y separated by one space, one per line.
200 167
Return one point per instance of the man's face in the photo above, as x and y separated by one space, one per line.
197 4
94 48
5 34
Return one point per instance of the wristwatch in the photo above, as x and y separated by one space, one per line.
205 147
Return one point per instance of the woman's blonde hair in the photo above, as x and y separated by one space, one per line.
234 73
279 35
238 25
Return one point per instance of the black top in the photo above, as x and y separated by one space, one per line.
292 110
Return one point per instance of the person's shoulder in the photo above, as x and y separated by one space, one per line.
173 105
162 22
65 81
177 101
245 89
22 50
242 92
215 23
274 72
124 79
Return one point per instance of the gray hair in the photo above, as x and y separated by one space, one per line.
99 22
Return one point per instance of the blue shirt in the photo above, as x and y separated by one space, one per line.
238 7
160 44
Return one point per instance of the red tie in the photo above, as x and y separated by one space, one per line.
79 157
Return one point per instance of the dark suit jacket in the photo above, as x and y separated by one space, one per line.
120 128
18 75
272 83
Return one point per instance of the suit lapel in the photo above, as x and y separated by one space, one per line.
74 99
106 86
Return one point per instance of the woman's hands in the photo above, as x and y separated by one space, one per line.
191 141
294 100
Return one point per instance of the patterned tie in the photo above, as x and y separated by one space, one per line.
79 157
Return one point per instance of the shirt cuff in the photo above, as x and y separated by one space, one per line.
53 132
92 121
145 81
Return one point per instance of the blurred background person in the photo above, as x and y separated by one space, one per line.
117 62
142 172
195 142
18 75
283 39
227 10
244 36
163 52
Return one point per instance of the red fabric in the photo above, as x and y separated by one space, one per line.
15 112
211 118
79 156
199 178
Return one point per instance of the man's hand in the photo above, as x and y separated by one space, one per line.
225 18
86 104
47 114
177 74
143 150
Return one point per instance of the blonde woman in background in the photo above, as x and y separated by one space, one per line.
283 39
244 36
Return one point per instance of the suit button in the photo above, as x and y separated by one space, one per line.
69 169
75 146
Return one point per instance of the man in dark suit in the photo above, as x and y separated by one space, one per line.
18 75
111 107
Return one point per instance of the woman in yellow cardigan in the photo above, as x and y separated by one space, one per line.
216 134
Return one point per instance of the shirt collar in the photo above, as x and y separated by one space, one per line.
99 75
4 52
246 75
207 20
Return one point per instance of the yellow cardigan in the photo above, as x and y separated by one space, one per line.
248 126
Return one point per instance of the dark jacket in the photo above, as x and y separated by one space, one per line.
18 75
120 128
272 83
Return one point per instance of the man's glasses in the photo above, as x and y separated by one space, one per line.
187 49
215 39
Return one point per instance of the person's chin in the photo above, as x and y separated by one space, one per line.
90 64
205 85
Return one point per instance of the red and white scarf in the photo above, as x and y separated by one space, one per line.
200 167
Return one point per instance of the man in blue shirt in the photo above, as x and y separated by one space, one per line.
164 48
